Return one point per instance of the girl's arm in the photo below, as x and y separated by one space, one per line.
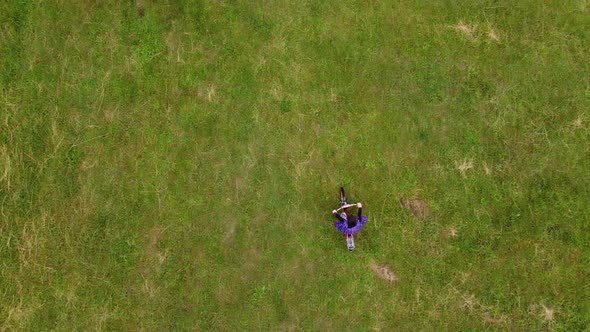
337 215
360 206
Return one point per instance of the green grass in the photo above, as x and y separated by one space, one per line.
172 165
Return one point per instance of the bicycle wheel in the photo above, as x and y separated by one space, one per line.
342 197
350 242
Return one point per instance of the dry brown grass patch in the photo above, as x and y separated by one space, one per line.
250 262
416 206
149 287
87 164
288 326
210 93
228 238
5 166
493 35
239 181
464 166
172 44
474 32
468 30
317 129
469 303
15 317
140 7
487 169
153 256
84 205
578 123
109 115
492 320
333 96
548 314
383 272
451 232
29 244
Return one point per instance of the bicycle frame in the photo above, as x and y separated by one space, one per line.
344 206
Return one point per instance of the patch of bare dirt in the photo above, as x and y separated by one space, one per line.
383 272
416 206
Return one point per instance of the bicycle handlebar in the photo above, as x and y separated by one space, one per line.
346 206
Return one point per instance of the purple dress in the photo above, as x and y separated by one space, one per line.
342 225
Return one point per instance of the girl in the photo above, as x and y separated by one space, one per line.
349 224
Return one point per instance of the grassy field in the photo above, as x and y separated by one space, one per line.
172 165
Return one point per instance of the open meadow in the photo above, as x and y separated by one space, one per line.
171 165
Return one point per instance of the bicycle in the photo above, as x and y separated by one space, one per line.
347 224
